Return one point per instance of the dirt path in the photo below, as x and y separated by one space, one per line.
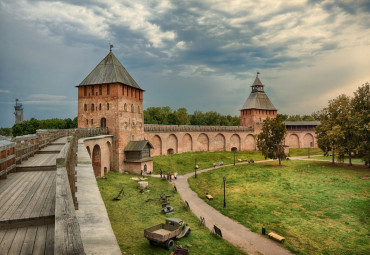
233 232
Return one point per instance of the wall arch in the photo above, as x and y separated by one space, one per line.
203 142
96 160
293 141
187 143
308 140
235 141
156 141
172 143
219 142
250 143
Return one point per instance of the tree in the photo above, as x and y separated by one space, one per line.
335 130
270 140
361 121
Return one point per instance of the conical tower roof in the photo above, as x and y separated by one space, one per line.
258 98
109 70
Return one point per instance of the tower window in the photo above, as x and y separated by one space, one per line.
99 107
132 108
92 107
92 90
107 106
108 89
85 107
125 107
85 91
92 121
100 90
87 122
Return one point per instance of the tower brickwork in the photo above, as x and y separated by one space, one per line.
257 107
109 97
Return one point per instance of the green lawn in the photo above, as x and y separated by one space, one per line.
317 207
131 215
184 163
354 160
304 152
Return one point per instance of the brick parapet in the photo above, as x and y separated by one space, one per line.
150 128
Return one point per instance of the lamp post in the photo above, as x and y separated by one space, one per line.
195 169
234 157
308 152
224 192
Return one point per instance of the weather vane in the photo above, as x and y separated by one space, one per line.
110 47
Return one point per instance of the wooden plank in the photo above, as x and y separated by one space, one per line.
67 230
11 179
36 212
18 241
29 241
9 183
49 246
2 234
40 197
39 246
7 241
31 195
8 205
23 197
49 200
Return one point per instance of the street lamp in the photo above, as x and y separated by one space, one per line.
195 169
308 152
234 157
224 192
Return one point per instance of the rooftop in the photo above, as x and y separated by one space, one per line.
109 70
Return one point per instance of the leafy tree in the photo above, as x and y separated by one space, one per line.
6 131
182 117
335 130
361 121
270 140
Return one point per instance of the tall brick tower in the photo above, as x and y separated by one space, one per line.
257 107
109 97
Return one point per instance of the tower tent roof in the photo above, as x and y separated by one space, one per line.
109 70
258 98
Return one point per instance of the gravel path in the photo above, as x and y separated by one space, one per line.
233 232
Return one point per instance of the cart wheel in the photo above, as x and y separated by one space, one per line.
169 244
188 233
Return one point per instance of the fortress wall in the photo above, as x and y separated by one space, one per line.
170 139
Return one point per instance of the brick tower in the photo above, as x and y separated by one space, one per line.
109 97
257 107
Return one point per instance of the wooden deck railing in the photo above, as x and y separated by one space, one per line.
71 160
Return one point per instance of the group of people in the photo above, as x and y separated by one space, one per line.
219 164
168 176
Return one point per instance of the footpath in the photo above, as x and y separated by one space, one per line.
96 231
232 231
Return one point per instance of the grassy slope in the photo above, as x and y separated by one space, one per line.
319 208
130 216
184 163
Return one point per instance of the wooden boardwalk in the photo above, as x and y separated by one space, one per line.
27 205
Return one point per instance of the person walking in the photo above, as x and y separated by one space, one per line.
214 165
170 176
175 175
161 173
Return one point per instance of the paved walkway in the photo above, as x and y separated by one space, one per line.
233 232
96 231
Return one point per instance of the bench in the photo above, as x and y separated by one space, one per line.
276 237
209 197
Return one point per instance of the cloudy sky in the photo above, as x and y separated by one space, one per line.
201 54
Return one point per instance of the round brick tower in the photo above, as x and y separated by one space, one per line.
257 107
